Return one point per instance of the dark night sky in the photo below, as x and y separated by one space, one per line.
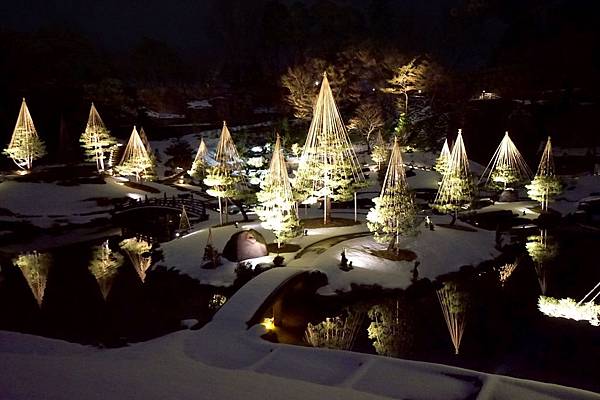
183 24
115 24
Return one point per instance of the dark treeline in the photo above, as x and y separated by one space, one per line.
242 48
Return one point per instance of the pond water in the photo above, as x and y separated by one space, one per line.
100 292
502 329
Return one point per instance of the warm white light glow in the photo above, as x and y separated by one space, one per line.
570 309
268 323
507 165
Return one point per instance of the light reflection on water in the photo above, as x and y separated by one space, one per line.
483 318
103 293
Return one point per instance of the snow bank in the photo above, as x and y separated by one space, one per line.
577 189
224 360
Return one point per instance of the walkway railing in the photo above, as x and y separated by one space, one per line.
193 207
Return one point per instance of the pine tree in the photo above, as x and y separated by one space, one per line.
277 209
545 185
198 170
456 188
96 140
136 160
104 266
394 213
442 162
380 151
328 167
25 144
225 178
507 166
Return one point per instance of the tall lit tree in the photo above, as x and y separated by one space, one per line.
104 266
198 170
507 166
394 213
442 162
408 78
136 160
25 144
456 188
96 141
225 178
277 209
184 221
328 166
545 185
34 267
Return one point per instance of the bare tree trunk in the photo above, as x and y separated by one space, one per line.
220 212
355 207
326 210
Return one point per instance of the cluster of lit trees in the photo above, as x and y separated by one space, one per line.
506 170
96 141
328 166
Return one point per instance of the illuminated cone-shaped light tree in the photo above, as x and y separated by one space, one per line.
184 221
545 185
328 167
442 162
507 166
211 257
104 266
394 212
199 165
225 179
136 160
456 188
138 251
454 302
277 209
96 141
380 151
25 144
34 267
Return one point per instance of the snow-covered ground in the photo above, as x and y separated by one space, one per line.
438 252
48 204
225 360
577 189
